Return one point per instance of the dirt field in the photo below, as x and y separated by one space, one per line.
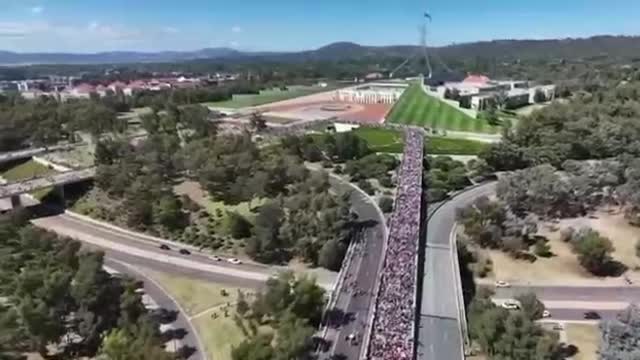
586 338
564 265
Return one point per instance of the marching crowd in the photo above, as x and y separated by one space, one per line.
392 335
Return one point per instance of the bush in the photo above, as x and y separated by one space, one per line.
386 204
366 186
239 227
386 181
338 170
593 250
542 249
566 234
436 195
638 248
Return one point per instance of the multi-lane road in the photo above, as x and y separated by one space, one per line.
439 335
123 246
354 300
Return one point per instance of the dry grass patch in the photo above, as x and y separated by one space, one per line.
564 265
586 338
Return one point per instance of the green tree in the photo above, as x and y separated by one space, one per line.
239 226
258 122
254 348
242 307
386 204
594 251
531 306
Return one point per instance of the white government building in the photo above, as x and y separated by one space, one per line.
374 93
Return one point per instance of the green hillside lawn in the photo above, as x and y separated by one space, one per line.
267 97
417 108
390 141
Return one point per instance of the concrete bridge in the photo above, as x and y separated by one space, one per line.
15 189
29 153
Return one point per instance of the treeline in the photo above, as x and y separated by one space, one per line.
58 301
293 307
504 334
544 193
295 213
592 125
46 121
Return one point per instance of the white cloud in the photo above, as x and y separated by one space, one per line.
22 29
236 29
37 10
234 44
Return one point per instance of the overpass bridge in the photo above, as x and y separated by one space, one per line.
15 189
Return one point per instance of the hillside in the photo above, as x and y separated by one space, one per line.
587 48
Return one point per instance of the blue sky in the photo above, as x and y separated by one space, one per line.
151 25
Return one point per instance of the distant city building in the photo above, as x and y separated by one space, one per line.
480 92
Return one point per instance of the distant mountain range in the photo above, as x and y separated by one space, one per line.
614 46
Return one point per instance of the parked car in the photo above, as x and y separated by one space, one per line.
502 284
592 315
546 314
234 261
165 247
185 252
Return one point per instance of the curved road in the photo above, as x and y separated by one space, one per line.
126 247
439 227
165 301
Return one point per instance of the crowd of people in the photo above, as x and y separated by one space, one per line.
392 335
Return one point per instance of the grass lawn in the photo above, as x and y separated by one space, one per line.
450 146
195 296
218 335
391 141
221 335
267 96
382 140
28 170
586 338
417 108
25 171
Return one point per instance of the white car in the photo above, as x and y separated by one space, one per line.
215 258
546 314
234 261
502 284
511 305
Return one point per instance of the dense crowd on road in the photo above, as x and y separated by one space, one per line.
393 325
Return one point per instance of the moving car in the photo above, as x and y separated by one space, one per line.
185 252
234 261
502 284
215 258
165 247
511 304
592 315
546 314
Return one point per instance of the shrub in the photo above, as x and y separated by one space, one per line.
542 249
386 204
638 248
366 186
566 234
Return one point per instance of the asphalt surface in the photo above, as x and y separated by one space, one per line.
165 301
137 250
353 311
439 335
569 293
